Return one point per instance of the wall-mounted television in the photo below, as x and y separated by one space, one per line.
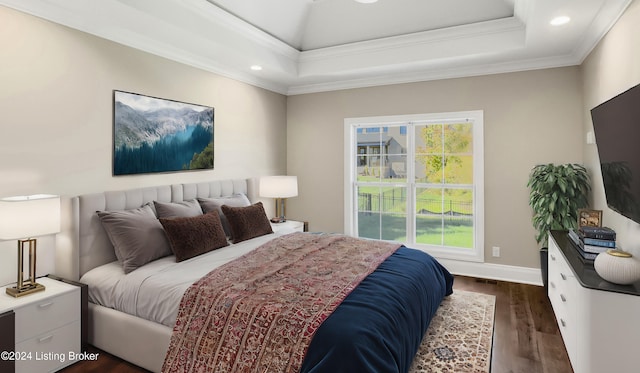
616 124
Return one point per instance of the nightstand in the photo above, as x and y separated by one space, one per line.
288 226
47 326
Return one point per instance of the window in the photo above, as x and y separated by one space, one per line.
418 180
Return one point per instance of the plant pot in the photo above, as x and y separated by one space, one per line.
544 267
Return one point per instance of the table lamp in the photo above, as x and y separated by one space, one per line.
23 218
280 188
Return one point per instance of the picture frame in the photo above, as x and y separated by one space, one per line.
153 135
589 218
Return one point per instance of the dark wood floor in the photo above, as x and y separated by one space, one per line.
526 337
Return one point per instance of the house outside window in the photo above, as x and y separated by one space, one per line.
418 180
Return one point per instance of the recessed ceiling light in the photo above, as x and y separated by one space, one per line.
562 20
366 1
256 67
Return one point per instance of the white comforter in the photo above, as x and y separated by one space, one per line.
154 291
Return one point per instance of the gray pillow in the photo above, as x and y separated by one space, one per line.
184 209
137 236
216 203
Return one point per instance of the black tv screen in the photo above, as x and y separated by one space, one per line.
616 124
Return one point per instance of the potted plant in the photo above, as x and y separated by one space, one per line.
556 193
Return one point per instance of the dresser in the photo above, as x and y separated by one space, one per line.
599 321
44 331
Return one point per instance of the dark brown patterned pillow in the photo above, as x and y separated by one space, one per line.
247 222
192 236
215 204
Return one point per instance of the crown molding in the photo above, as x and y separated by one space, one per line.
198 34
600 27
236 24
505 25
371 56
130 32
470 70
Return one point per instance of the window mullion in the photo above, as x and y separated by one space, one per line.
354 180
411 183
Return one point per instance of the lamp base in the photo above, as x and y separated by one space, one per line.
25 290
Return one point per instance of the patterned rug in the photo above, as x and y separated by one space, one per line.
460 336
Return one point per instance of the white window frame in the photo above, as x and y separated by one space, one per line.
476 254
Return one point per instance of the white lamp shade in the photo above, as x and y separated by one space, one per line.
29 216
279 186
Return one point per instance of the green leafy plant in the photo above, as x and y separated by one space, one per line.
556 193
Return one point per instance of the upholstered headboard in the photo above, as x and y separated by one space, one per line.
91 244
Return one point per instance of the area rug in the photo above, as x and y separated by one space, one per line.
460 336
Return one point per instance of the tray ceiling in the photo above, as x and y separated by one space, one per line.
310 46
308 25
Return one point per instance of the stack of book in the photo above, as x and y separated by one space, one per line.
591 241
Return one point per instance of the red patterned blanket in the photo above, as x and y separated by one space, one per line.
259 312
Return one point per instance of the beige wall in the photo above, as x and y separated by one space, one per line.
56 94
529 118
612 68
56 102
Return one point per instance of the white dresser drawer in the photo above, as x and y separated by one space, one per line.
568 330
564 287
49 351
47 314
559 278
563 296
554 293
557 262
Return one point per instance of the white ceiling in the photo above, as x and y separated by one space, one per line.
308 25
318 45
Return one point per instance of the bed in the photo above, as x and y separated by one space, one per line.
400 294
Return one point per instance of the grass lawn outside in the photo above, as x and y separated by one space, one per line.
442 219
436 230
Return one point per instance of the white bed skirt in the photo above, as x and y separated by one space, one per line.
141 342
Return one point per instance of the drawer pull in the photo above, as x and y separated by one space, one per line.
553 257
45 305
45 339
563 298
564 277
564 324
553 285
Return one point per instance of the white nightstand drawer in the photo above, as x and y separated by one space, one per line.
47 314
49 351
288 226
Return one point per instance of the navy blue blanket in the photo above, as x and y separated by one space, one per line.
379 326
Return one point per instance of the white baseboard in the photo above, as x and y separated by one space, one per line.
491 271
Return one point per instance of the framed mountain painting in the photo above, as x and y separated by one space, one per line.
153 134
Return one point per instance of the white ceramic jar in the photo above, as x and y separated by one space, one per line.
617 266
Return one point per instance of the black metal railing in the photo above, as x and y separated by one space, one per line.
395 200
